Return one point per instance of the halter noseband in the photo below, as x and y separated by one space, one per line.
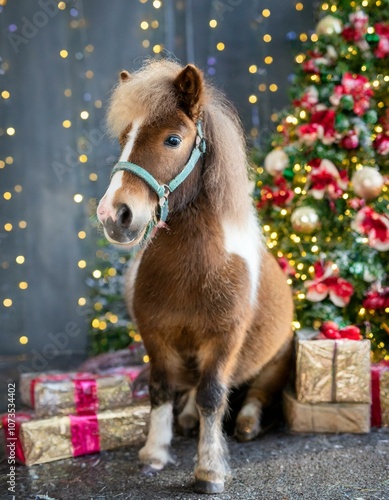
163 190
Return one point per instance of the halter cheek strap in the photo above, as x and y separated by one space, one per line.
163 190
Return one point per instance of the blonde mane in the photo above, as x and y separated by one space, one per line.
149 94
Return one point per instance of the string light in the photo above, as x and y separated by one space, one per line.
220 46
213 23
266 13
23 339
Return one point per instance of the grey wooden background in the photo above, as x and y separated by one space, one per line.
101 37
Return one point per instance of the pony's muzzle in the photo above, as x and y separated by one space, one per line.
117 228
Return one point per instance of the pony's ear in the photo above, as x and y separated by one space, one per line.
189 88
124 76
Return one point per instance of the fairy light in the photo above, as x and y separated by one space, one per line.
157 49
220 46
11 131
66 123
84 115
81 264
266 13
268 60
253 68
78 198
213 23
253 99
299 6
96 273
267 38
81 301
62 5
23 339
144 25
83 158
64 54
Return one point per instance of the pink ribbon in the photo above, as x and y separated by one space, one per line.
85 396
14 436
376 414
85 434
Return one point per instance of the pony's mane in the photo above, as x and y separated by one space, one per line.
149 94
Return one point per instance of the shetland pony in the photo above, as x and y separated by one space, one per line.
212 305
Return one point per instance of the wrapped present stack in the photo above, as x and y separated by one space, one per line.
75 414
332 390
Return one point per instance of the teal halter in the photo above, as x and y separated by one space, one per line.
163 190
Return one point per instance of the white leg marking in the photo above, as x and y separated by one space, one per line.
245 240
131 140
156 450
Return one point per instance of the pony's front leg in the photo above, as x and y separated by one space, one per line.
212 465
156 452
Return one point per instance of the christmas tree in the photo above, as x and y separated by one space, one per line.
322 184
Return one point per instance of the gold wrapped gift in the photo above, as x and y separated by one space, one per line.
325 417
333 371
45 440
65 393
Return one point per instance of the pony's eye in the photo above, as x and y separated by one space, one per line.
173 141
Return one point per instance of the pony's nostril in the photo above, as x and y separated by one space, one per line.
124 216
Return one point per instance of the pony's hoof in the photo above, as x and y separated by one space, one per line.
247 429
245 436
149 470
208 487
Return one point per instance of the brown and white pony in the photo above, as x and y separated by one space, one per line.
212 305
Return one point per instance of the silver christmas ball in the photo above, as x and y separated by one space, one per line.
276 162
305 220
367 183
329 25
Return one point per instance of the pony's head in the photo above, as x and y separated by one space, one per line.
155 113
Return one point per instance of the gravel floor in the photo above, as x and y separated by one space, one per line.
276 466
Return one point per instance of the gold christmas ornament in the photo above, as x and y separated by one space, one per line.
276 162
367 183
305 220
329 25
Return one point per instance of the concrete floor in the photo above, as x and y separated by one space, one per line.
277 466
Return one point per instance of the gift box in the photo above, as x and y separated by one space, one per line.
65 393
325 417
333 371
380 394
36 441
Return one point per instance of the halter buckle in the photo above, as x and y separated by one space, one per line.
163 199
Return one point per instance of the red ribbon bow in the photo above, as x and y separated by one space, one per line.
326 283
330 330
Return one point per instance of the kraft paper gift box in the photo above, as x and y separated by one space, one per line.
325 417
333 371
36 441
